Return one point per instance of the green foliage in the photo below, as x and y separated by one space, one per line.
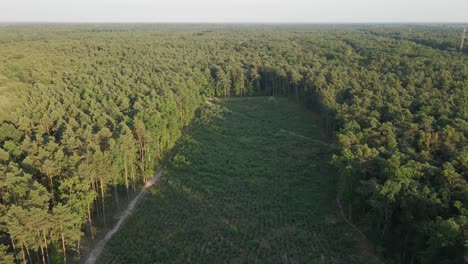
86 107
240 190
5 256
8 131
180 161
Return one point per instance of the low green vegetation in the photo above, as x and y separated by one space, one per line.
88 112
249 184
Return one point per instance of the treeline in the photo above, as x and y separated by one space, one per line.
76 135
442 37
90 111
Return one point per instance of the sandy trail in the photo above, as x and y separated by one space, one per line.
99 247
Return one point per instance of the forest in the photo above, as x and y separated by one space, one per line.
249 183
88 113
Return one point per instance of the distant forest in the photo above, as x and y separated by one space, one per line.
89 112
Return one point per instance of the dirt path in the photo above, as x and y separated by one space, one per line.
96 252
301 136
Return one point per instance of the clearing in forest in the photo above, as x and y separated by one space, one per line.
241 190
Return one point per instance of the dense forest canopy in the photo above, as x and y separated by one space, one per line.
89 111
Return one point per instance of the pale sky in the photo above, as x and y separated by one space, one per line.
321 11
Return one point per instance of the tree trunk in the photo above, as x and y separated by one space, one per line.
89 222
296 92
46 248
102 199
142 154
258 86
115 191
126 176
22 252
29 255
96 190
51 187
133 175
14 247
42 253
63 244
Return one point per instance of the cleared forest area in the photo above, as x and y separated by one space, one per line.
241 191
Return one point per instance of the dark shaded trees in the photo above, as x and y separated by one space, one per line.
89 111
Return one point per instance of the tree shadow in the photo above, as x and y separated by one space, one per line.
236 193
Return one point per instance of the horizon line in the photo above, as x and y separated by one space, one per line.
234 22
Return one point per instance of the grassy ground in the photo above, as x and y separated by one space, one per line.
249 184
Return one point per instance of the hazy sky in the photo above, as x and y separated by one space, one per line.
234 10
